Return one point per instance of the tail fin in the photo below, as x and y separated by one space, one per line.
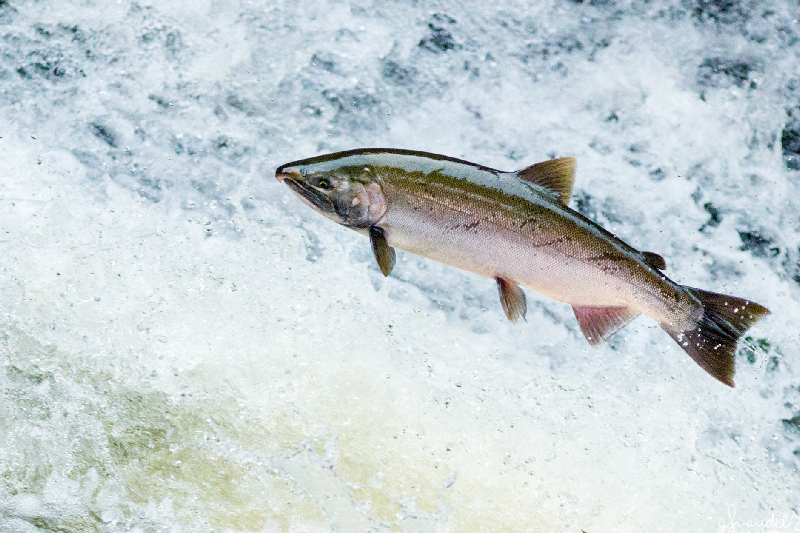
712 344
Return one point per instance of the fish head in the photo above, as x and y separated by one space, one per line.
348 195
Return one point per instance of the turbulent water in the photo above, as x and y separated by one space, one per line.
186 347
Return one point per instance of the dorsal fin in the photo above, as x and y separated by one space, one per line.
654 260
556 175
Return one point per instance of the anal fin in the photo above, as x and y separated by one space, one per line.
599 323
512 298
384 254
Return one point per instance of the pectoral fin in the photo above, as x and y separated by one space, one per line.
599 323
512 298
556 175
384 254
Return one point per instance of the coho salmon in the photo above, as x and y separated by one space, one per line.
516 228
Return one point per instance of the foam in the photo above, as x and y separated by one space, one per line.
207 354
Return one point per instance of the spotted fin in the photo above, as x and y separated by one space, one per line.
384 254
712 343
599 323
556 175
512 298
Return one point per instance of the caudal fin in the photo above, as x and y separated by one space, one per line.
712 344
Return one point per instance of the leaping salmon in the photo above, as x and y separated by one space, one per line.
516 228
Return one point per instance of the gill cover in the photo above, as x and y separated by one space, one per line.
349 196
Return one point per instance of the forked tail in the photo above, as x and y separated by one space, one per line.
712 344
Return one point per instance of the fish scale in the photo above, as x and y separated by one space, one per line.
535 238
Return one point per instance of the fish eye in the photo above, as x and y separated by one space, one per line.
324 183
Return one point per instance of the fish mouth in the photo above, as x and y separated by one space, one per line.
310 195
285 172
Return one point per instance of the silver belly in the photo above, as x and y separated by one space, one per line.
491 251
